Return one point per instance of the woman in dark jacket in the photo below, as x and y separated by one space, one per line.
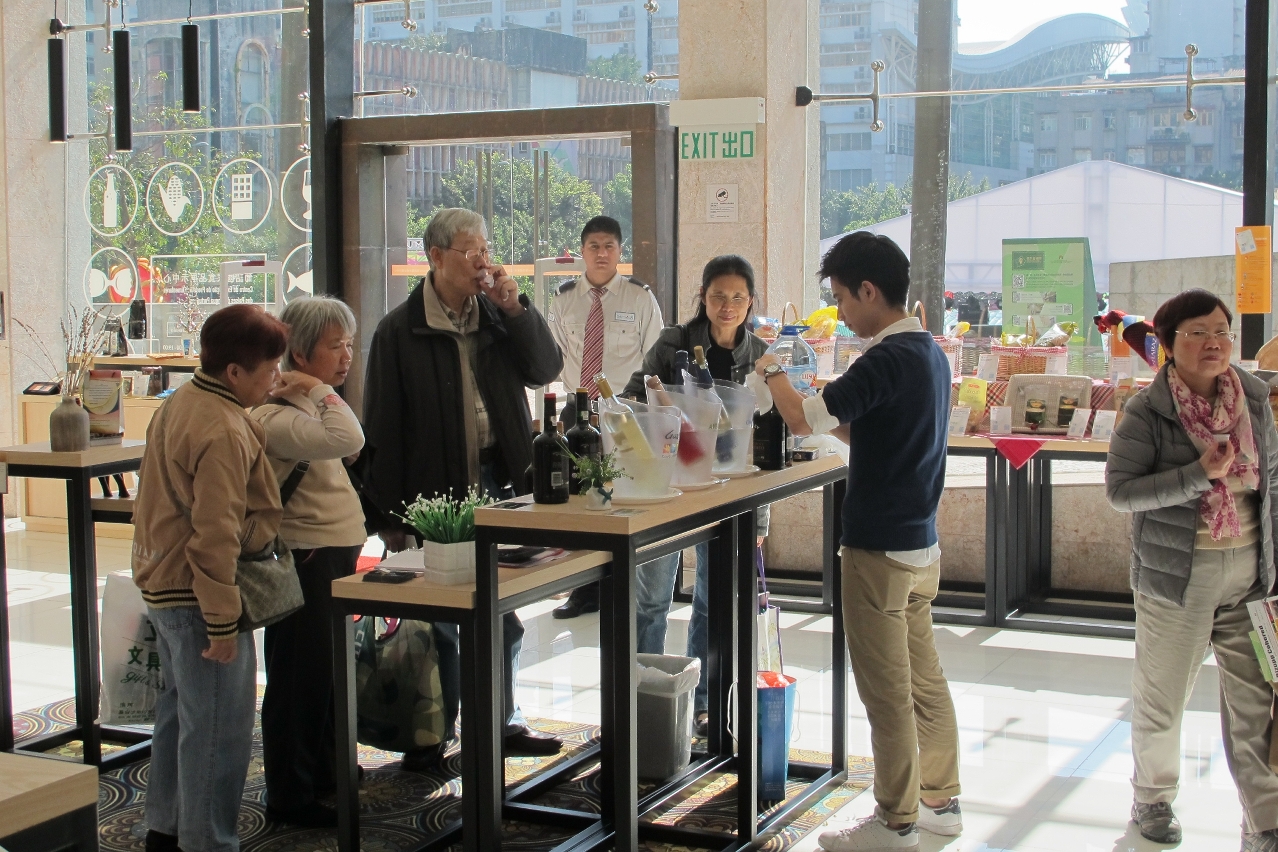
720 328
1195 459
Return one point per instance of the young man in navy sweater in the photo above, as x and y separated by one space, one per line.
892 408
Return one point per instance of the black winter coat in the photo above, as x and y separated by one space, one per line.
413 420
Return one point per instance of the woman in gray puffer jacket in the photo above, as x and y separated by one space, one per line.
1195 459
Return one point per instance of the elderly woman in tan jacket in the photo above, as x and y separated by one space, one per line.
309 431
206 495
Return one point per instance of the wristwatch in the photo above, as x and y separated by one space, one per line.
772 370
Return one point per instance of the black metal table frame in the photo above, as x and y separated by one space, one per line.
732 632
82 544
472 739
1017 592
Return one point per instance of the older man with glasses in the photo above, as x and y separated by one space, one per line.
446 410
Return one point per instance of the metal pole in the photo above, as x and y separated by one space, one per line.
1258 183
536 217
545 198
931 161
332 31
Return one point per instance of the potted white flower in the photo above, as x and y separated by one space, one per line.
596 477
447 528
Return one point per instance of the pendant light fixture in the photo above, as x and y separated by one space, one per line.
190 63
123 89
57 84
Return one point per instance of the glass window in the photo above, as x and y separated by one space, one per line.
1136 156
1047 123
1082 155
1110 122
1047 158
1082 121
1135 120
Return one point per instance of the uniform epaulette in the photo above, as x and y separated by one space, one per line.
639 283
566 286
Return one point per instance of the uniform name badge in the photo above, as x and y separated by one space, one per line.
623 316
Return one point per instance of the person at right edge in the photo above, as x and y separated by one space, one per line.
1195 460
892 408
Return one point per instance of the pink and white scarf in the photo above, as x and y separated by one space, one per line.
1202 421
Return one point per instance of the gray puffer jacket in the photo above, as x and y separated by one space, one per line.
1153 471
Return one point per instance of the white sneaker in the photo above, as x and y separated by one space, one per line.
947 820
870 835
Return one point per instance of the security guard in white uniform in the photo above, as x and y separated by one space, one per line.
629 322
631 317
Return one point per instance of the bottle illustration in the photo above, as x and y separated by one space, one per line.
110 204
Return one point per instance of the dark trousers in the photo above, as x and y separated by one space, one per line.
298 750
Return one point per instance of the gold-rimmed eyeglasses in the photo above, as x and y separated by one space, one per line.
473 254
1200 336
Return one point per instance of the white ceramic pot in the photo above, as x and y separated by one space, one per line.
449 564
599 497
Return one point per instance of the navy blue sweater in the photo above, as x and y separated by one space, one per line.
896 400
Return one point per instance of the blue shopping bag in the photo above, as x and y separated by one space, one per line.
776 716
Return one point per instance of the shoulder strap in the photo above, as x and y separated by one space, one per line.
294 479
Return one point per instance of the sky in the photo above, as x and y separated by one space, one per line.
997 20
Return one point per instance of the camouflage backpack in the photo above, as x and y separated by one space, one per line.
399 702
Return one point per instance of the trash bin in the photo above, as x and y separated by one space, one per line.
664 687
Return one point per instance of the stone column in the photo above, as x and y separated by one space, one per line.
754 48
34 204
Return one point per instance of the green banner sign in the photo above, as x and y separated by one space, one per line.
1049 281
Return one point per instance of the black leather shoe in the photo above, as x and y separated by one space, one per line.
158 841
423 759
583 599
530 742
312 815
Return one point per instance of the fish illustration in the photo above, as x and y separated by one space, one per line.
120 282
301 282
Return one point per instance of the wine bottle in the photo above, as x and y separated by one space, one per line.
626 432
702 371
680 366
550 460
583 439
771 436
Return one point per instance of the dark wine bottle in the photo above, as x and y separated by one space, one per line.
583 439
701 369
681 366
550 460
771 438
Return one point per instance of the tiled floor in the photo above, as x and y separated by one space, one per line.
1044 719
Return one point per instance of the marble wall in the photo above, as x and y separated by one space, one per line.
1140 287
754 48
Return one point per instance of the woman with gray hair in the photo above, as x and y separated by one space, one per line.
309 430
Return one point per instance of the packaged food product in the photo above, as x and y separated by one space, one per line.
1058 335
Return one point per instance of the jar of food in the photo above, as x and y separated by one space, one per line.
1065 410
1035 409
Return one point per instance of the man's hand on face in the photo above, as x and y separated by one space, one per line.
503 291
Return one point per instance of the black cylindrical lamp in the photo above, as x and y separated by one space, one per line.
123 91
190 68
57 90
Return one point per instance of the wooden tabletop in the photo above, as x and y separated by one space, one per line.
628 520
40 454
1052 444
37 789
420 591
137 362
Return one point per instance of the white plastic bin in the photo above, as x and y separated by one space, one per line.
664 687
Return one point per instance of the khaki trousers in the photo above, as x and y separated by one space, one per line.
1171 642
887 612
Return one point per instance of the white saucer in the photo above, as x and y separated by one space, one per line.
646 501
738 474
701 486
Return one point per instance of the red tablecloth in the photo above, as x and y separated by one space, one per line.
1017 449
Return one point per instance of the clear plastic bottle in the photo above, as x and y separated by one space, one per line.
797 357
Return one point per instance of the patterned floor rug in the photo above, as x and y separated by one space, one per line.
397 807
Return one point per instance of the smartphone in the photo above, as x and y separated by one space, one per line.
388 575
1222 441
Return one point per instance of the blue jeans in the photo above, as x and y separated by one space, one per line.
203 735
446 642
654 591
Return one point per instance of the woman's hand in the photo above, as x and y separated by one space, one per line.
1217 459
295 381
222 650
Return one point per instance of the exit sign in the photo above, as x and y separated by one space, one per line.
720 143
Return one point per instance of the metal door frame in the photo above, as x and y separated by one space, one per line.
374 191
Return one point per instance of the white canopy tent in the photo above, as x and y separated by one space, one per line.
1127 213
